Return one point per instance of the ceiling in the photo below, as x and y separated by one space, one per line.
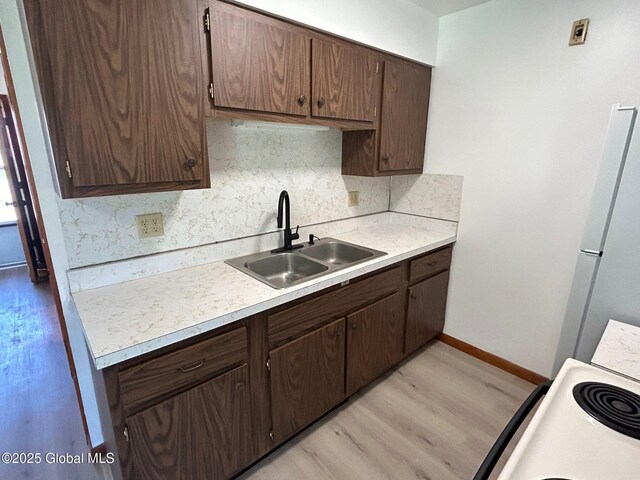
445 7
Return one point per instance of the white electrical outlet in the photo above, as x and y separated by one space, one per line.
354 198
149 225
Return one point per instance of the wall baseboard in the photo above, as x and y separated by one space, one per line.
492 359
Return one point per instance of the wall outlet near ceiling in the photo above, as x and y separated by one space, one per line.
579 32
354 198
149 225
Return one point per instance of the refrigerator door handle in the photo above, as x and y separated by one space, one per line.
593 253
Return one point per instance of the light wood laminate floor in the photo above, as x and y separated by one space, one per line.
38 408
434 417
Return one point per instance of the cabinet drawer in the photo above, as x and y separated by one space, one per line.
306 316
430 264
181 368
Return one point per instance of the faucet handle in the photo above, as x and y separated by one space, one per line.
295 235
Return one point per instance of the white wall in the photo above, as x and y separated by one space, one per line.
398 26
523 116
39 151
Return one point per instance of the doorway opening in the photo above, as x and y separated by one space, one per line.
19 232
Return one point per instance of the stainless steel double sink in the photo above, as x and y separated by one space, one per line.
285 269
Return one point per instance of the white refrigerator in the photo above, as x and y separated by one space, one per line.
606 282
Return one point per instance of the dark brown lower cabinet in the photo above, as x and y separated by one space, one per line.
307 378
374 341
202 433
426 310
208 408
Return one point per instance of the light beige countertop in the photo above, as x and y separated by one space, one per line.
128 319
619 350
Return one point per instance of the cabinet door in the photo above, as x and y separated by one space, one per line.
405 104
124 91
425 314
307 379
201 433
374 341
345 81
258 63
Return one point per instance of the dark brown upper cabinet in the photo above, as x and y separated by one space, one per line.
403 126
398 145
264 68
345 81
123 90
258 63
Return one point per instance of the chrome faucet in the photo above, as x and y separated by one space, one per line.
283 202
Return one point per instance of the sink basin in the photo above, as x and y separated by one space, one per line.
284 269
336 253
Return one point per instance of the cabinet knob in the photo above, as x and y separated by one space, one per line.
385 159
353 325
321 102
190 162
239 385
301 100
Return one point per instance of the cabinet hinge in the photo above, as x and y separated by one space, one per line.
67 167
207 21
375 111
268 364
271 434
377 67
126 433
211 90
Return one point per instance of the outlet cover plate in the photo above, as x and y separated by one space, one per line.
150 225
354 198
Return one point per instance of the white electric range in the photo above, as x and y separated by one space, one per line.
588 424
586 428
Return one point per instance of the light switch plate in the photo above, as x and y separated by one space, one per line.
579 32
354 198
150 225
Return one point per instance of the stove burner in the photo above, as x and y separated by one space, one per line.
612 406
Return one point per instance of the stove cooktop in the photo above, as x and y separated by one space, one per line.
613 406
568 438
